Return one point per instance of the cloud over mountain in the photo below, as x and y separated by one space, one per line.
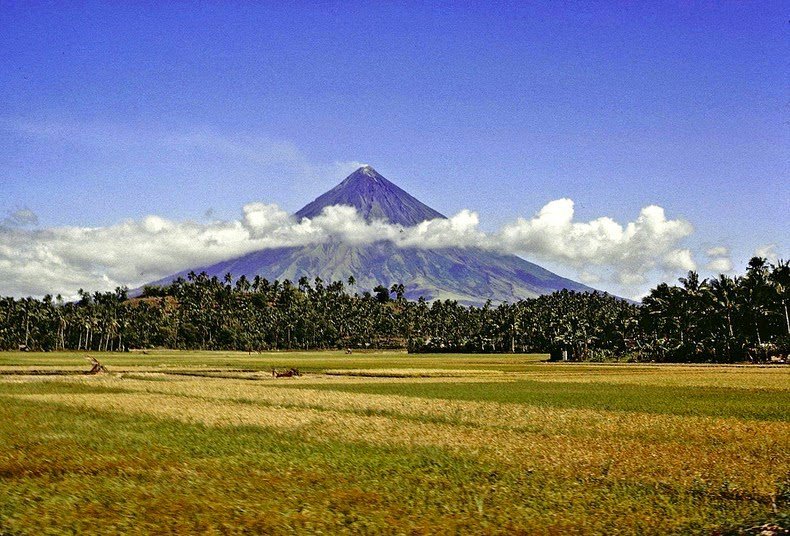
649 242
63 259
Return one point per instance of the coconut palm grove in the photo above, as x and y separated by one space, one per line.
725 319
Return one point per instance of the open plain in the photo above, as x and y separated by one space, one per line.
204 442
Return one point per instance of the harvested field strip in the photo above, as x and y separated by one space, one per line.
735 376
442 374
758 404
672 375
45 372
413 373
501 414
506 415
58 385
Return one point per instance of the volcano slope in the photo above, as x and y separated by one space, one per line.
469 275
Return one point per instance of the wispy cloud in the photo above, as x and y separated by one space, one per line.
720 265
22 217
719 260
264 154
767 251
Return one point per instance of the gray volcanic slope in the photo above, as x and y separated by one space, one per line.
375 198
468 275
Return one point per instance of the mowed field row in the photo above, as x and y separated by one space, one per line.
389 443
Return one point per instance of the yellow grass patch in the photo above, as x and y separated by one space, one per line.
586 443
671 375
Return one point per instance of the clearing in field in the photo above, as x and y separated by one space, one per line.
189 442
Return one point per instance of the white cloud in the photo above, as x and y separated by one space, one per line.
261 219
634 249
767 251
679 259
459 230
718 251
132 253
720 265
719 261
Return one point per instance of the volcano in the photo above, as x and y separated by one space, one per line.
374 197
469 275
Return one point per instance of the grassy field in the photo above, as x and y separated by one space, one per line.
201 442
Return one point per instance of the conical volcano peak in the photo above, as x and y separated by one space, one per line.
469 275
364 174
375 198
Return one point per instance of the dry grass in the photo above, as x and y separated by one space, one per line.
769 377
570 442
557 468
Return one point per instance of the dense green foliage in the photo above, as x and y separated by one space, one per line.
724 319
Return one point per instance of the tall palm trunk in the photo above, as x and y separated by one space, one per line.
787 317
27 327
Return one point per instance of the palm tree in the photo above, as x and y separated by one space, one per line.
756 290
780 280
723 295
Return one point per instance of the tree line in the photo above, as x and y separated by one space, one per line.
724 319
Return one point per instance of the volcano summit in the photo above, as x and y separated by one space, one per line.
374 197
470 275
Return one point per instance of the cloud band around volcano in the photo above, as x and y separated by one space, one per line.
133 252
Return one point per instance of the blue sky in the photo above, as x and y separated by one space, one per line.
115 111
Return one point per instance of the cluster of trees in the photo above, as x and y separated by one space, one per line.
724 319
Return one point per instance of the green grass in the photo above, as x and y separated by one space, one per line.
667 450
106 473
760 404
